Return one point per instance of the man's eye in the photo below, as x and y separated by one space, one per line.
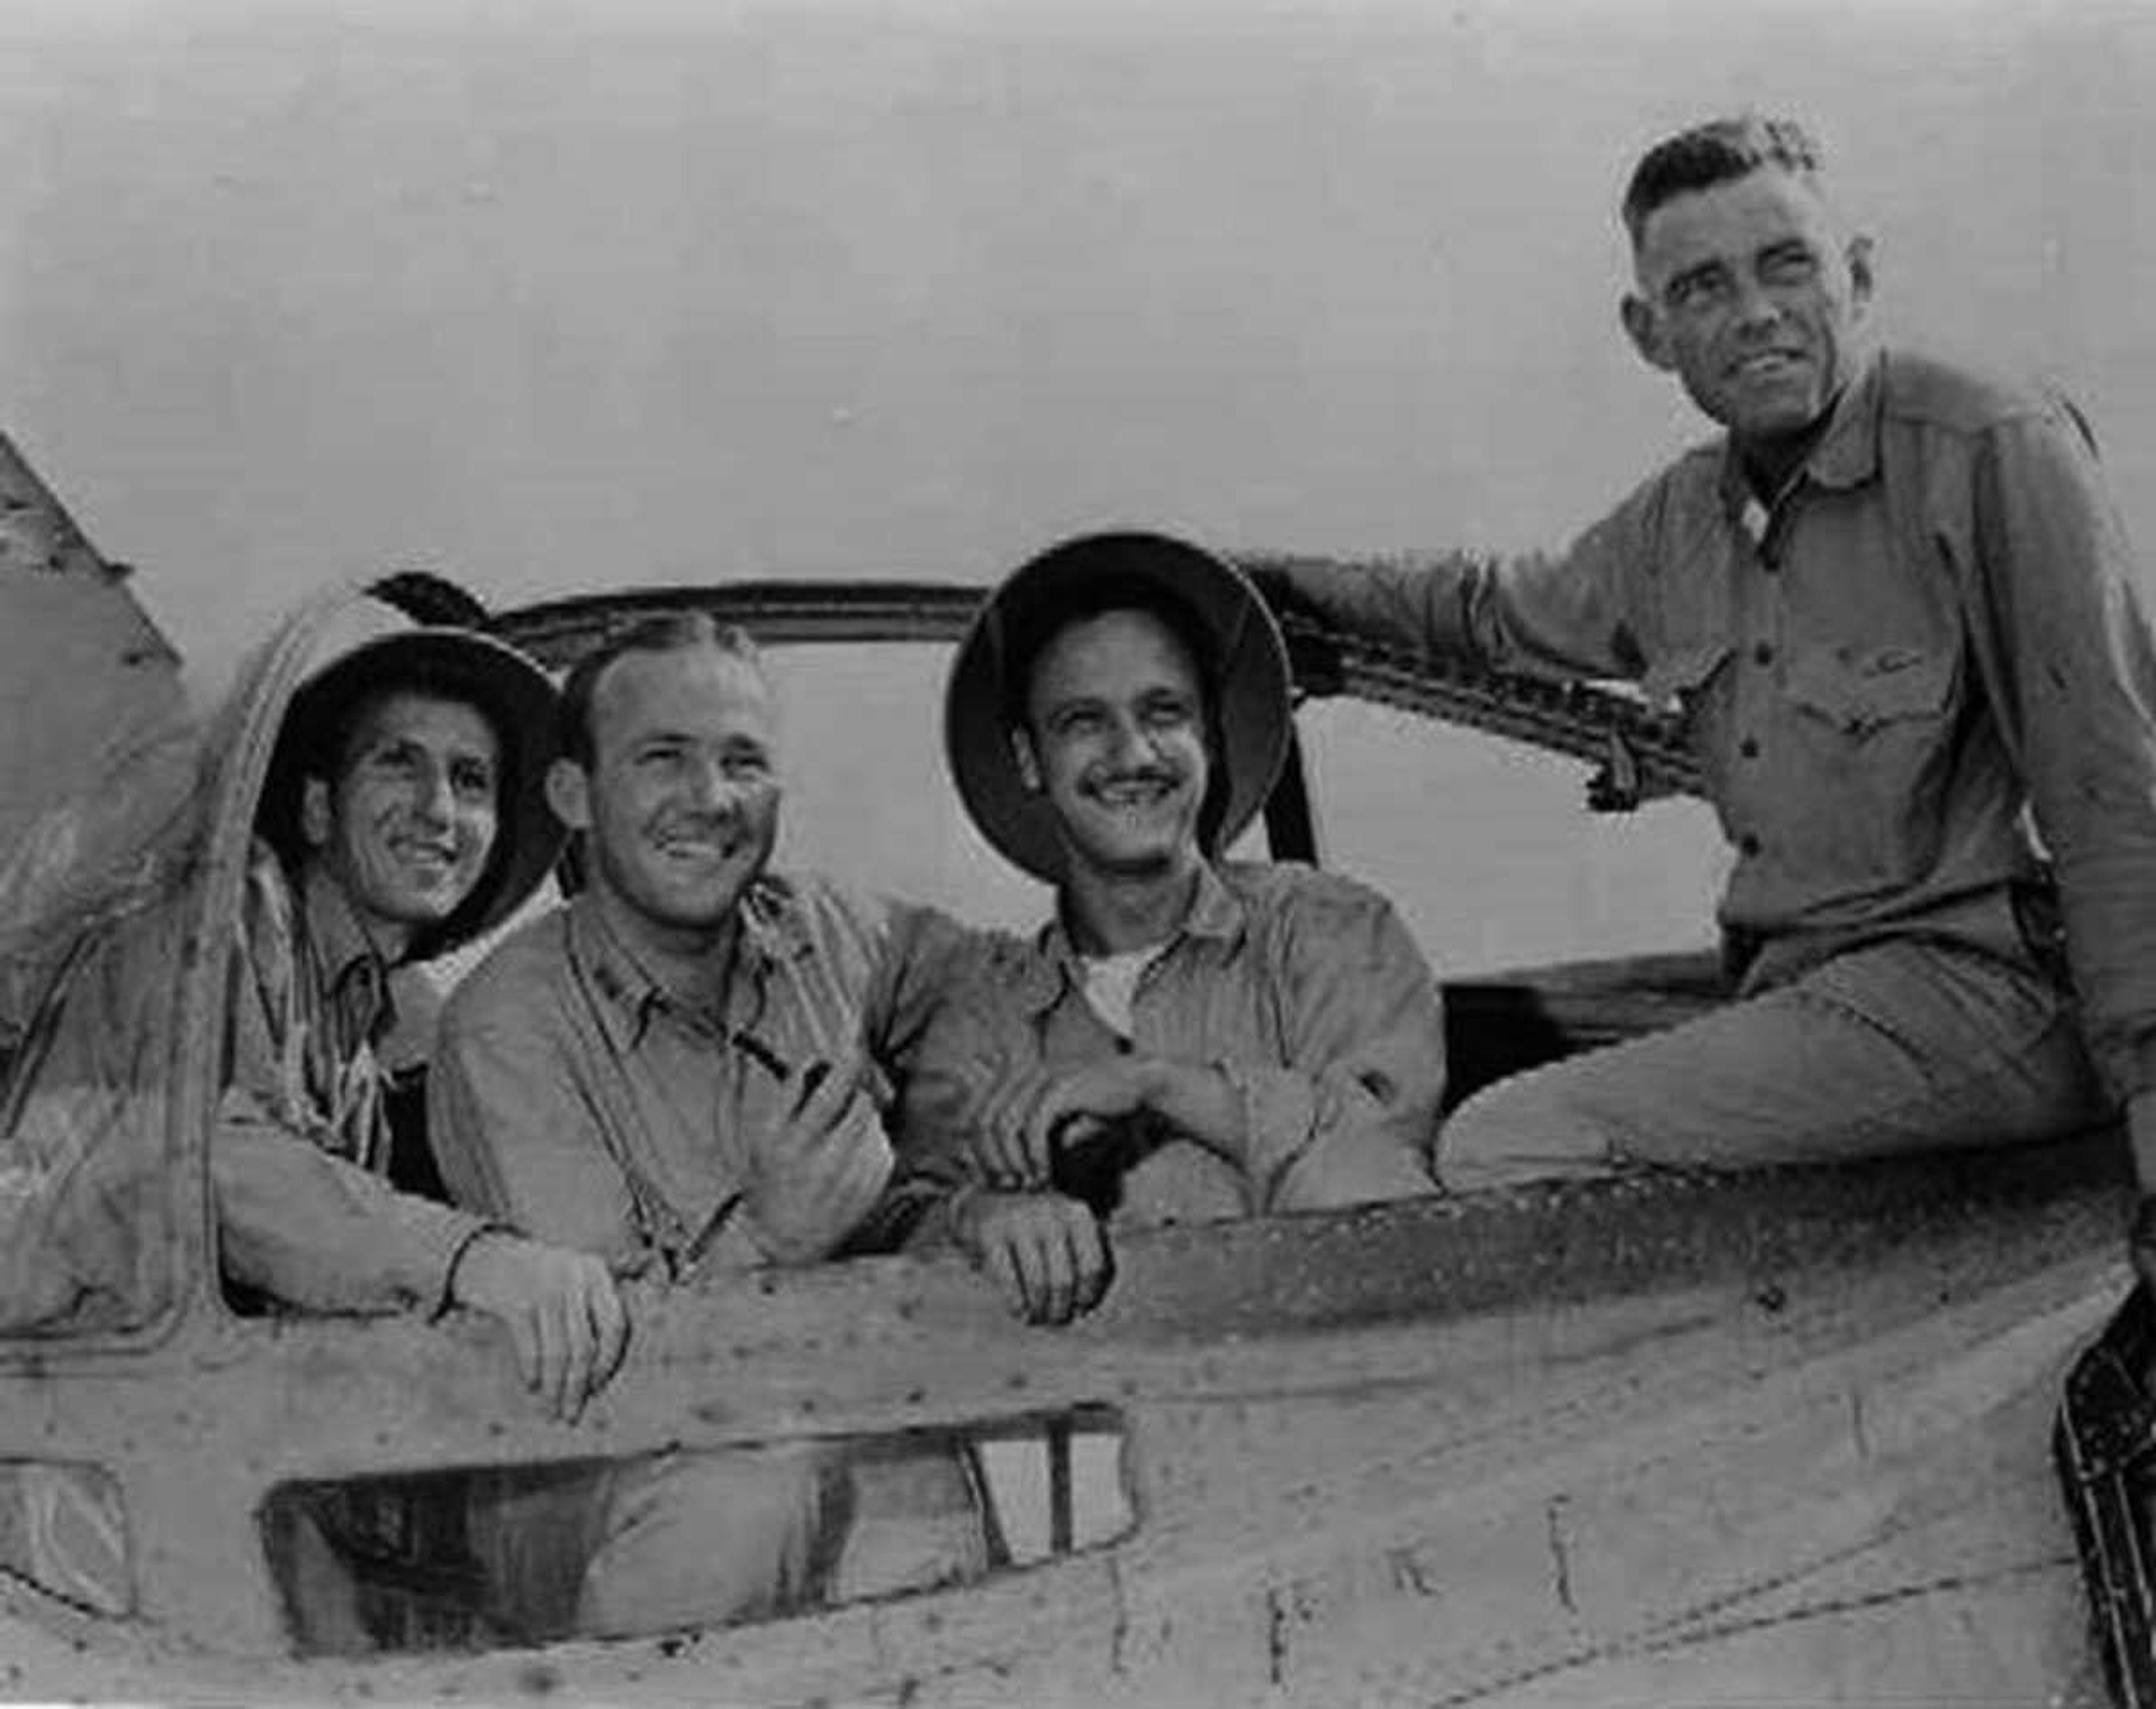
471 780
1790 267
746 768
1696 292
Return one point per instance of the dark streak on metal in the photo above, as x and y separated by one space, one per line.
1275 1639
1562 1566
1119 1631
1408 1574
1856 1423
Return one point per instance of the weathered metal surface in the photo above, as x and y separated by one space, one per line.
1453 1452
95 752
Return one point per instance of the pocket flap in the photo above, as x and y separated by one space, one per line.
1860 687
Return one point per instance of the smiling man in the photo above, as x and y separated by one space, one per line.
402 816
1898 609
1189 1036
686 1072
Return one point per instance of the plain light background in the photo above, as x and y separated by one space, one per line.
550 296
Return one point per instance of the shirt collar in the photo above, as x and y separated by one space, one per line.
333 926
772 928
1216 915
1847 454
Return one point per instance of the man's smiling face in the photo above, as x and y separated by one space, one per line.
1114 739
407 825
681 801
1750 294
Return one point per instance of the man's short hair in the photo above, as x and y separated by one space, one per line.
669 632
1714 153
1031 630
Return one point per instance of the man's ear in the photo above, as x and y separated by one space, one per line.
314 812
1645 327
569 794
1022 757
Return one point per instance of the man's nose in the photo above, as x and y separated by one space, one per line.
1757 305
711 789
1129 742
437 796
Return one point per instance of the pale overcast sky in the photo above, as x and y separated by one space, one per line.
547 294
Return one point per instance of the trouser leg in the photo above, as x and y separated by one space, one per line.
692 1539
1902 1045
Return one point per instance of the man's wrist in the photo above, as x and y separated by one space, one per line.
460 1260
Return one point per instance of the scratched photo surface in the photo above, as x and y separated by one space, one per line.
588 296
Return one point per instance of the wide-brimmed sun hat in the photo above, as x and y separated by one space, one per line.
515 697
1246 667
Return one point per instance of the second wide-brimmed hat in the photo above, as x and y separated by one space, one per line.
1247 669
517 698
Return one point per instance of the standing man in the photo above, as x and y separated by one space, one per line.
685 1071
1192 1035
1897 608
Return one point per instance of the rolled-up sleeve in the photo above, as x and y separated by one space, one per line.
2070 610
316 1231
1350 1115
1570 615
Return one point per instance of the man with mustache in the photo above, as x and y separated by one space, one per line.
684 1072
1187 1037
1898 609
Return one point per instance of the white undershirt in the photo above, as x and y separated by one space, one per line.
1111 983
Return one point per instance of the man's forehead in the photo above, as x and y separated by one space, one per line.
430 714
1102 646
691 685
1734 217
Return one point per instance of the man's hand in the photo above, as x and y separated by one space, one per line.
814 1178
1046 1251
564 1318
1017 1130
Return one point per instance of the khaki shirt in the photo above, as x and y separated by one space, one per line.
1302 987
302 1138
573 1097
1939 622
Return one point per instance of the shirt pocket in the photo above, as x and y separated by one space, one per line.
1866 692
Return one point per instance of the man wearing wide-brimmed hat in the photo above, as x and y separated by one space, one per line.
1188 1036
404 814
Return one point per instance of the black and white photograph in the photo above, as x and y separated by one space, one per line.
1154 852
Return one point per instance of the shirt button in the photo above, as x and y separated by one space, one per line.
1764 654
1749 748
1748 843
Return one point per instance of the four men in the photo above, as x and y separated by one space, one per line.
1898 608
